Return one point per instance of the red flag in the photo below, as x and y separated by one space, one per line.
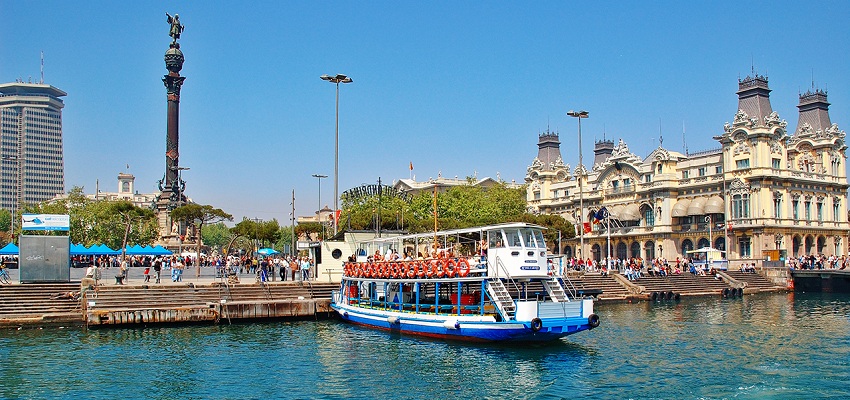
411 165
336 215
587 228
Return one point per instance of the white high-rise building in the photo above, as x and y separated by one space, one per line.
32 166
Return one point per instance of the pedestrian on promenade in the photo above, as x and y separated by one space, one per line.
157 268
147 274
305 269
282 265
294 266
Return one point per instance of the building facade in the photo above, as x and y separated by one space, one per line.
32 167
766 190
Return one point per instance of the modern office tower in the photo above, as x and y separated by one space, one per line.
32 166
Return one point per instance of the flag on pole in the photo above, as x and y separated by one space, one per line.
587 228
600 215
411 165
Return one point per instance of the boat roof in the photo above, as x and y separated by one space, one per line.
453 232
706 250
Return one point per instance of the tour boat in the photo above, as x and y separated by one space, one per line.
489 283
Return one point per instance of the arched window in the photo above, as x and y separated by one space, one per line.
635 250
648 216
741 205
720 243
687 245
796 245
649 250
597 253
703 242
621 251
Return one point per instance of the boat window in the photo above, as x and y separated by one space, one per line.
513 236
537 236
530 238
495 239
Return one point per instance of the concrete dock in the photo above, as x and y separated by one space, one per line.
206 299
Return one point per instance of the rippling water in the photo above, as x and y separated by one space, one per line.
762 346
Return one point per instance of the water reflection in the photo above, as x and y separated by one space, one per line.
773 345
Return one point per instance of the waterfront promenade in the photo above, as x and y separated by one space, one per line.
205 298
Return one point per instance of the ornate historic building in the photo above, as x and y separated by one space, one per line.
764 189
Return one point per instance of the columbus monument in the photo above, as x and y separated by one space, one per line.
172 186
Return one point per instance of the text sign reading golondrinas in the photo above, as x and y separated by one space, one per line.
45 222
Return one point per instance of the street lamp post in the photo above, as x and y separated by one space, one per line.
17 196
580 114
319 210
339 78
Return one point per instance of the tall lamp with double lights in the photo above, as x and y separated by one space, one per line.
339 78
579 115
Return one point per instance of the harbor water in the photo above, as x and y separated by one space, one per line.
762 346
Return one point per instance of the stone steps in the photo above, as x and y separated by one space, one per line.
754 281
142 297
684 284
34 301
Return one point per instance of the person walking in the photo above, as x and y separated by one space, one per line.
157 269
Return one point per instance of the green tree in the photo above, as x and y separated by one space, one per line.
199 215
101 221
216 235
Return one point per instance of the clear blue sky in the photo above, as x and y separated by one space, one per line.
456 88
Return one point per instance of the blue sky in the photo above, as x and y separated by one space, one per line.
457 88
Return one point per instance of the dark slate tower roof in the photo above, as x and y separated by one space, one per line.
548 149
814 111
754 97
602 150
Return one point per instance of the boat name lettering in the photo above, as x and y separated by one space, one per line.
530 268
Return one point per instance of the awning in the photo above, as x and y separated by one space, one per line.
615 211
630 213
696 206
680 209
714 205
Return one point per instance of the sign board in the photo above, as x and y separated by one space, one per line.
45 259
45 222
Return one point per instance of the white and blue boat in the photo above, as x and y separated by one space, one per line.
489 283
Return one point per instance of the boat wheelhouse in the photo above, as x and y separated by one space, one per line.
489 283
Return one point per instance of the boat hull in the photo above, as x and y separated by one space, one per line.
462 327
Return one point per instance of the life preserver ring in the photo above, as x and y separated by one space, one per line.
382 271
394 270
593 321
536 324
441 272
449 266
463 268
412 270
402 270
435 268
421 268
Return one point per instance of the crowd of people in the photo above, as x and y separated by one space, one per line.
263 268
821 261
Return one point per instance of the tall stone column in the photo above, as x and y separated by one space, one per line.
172 186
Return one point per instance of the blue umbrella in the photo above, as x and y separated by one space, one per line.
9 250
267 251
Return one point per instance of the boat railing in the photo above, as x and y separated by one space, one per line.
569 286
500 267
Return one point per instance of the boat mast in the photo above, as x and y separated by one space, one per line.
435 218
